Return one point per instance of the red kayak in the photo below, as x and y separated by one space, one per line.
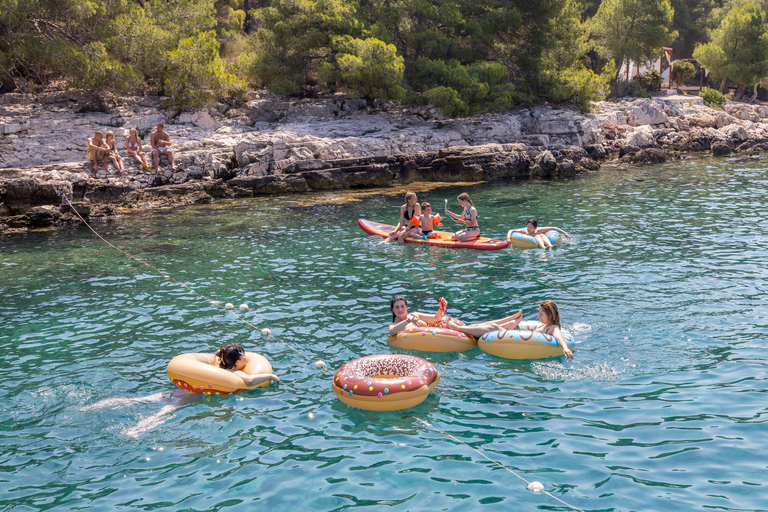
443 239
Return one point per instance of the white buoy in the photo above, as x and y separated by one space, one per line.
244 307
535 487
266 332
320 364
229 305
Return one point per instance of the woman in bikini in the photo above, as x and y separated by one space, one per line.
468 217
133 148
401 319
409 213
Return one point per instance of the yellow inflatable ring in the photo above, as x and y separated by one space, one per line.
196 373
432 339
386 382
524 343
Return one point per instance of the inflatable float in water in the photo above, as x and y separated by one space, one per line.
525 241
196 372
432 339
443 238
523 343
386 382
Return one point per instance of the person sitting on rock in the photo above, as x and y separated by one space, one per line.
161 144
98 151
133 148
113 155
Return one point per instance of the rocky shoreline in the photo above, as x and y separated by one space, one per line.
278 146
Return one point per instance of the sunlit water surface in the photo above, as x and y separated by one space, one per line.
664 407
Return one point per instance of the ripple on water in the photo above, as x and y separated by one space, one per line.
663 406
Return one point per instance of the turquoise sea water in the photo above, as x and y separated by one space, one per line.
663 408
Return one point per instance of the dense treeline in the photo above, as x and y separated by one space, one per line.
463 56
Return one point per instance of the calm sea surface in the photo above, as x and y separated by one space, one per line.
665 406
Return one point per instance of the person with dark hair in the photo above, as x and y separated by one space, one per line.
401 319
233 358
538 234
410 213
468 217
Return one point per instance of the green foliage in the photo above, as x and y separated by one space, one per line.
650 81
712 98
588 86
739 46
365 68
195 73
633 30
462 90
94 69
682 71
294 40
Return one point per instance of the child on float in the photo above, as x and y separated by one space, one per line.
468 217
408 224
234 359
428 221
133 148
538 234
402 320
549 315
113 155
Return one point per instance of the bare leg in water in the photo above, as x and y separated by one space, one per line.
477 330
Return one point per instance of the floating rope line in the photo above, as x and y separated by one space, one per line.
431 427
214 303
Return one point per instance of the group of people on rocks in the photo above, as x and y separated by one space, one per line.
102 150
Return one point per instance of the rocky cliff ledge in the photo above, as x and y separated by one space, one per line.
275 146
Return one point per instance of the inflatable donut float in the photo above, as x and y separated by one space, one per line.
197 373
386 382
432 339
525 241
523 343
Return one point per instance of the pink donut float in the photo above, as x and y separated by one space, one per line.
387 382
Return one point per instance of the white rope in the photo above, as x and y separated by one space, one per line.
490 460
213 303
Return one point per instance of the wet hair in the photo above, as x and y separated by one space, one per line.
425 205
535 223
550 308
229 355
110 132
409 196
465 197
392 305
